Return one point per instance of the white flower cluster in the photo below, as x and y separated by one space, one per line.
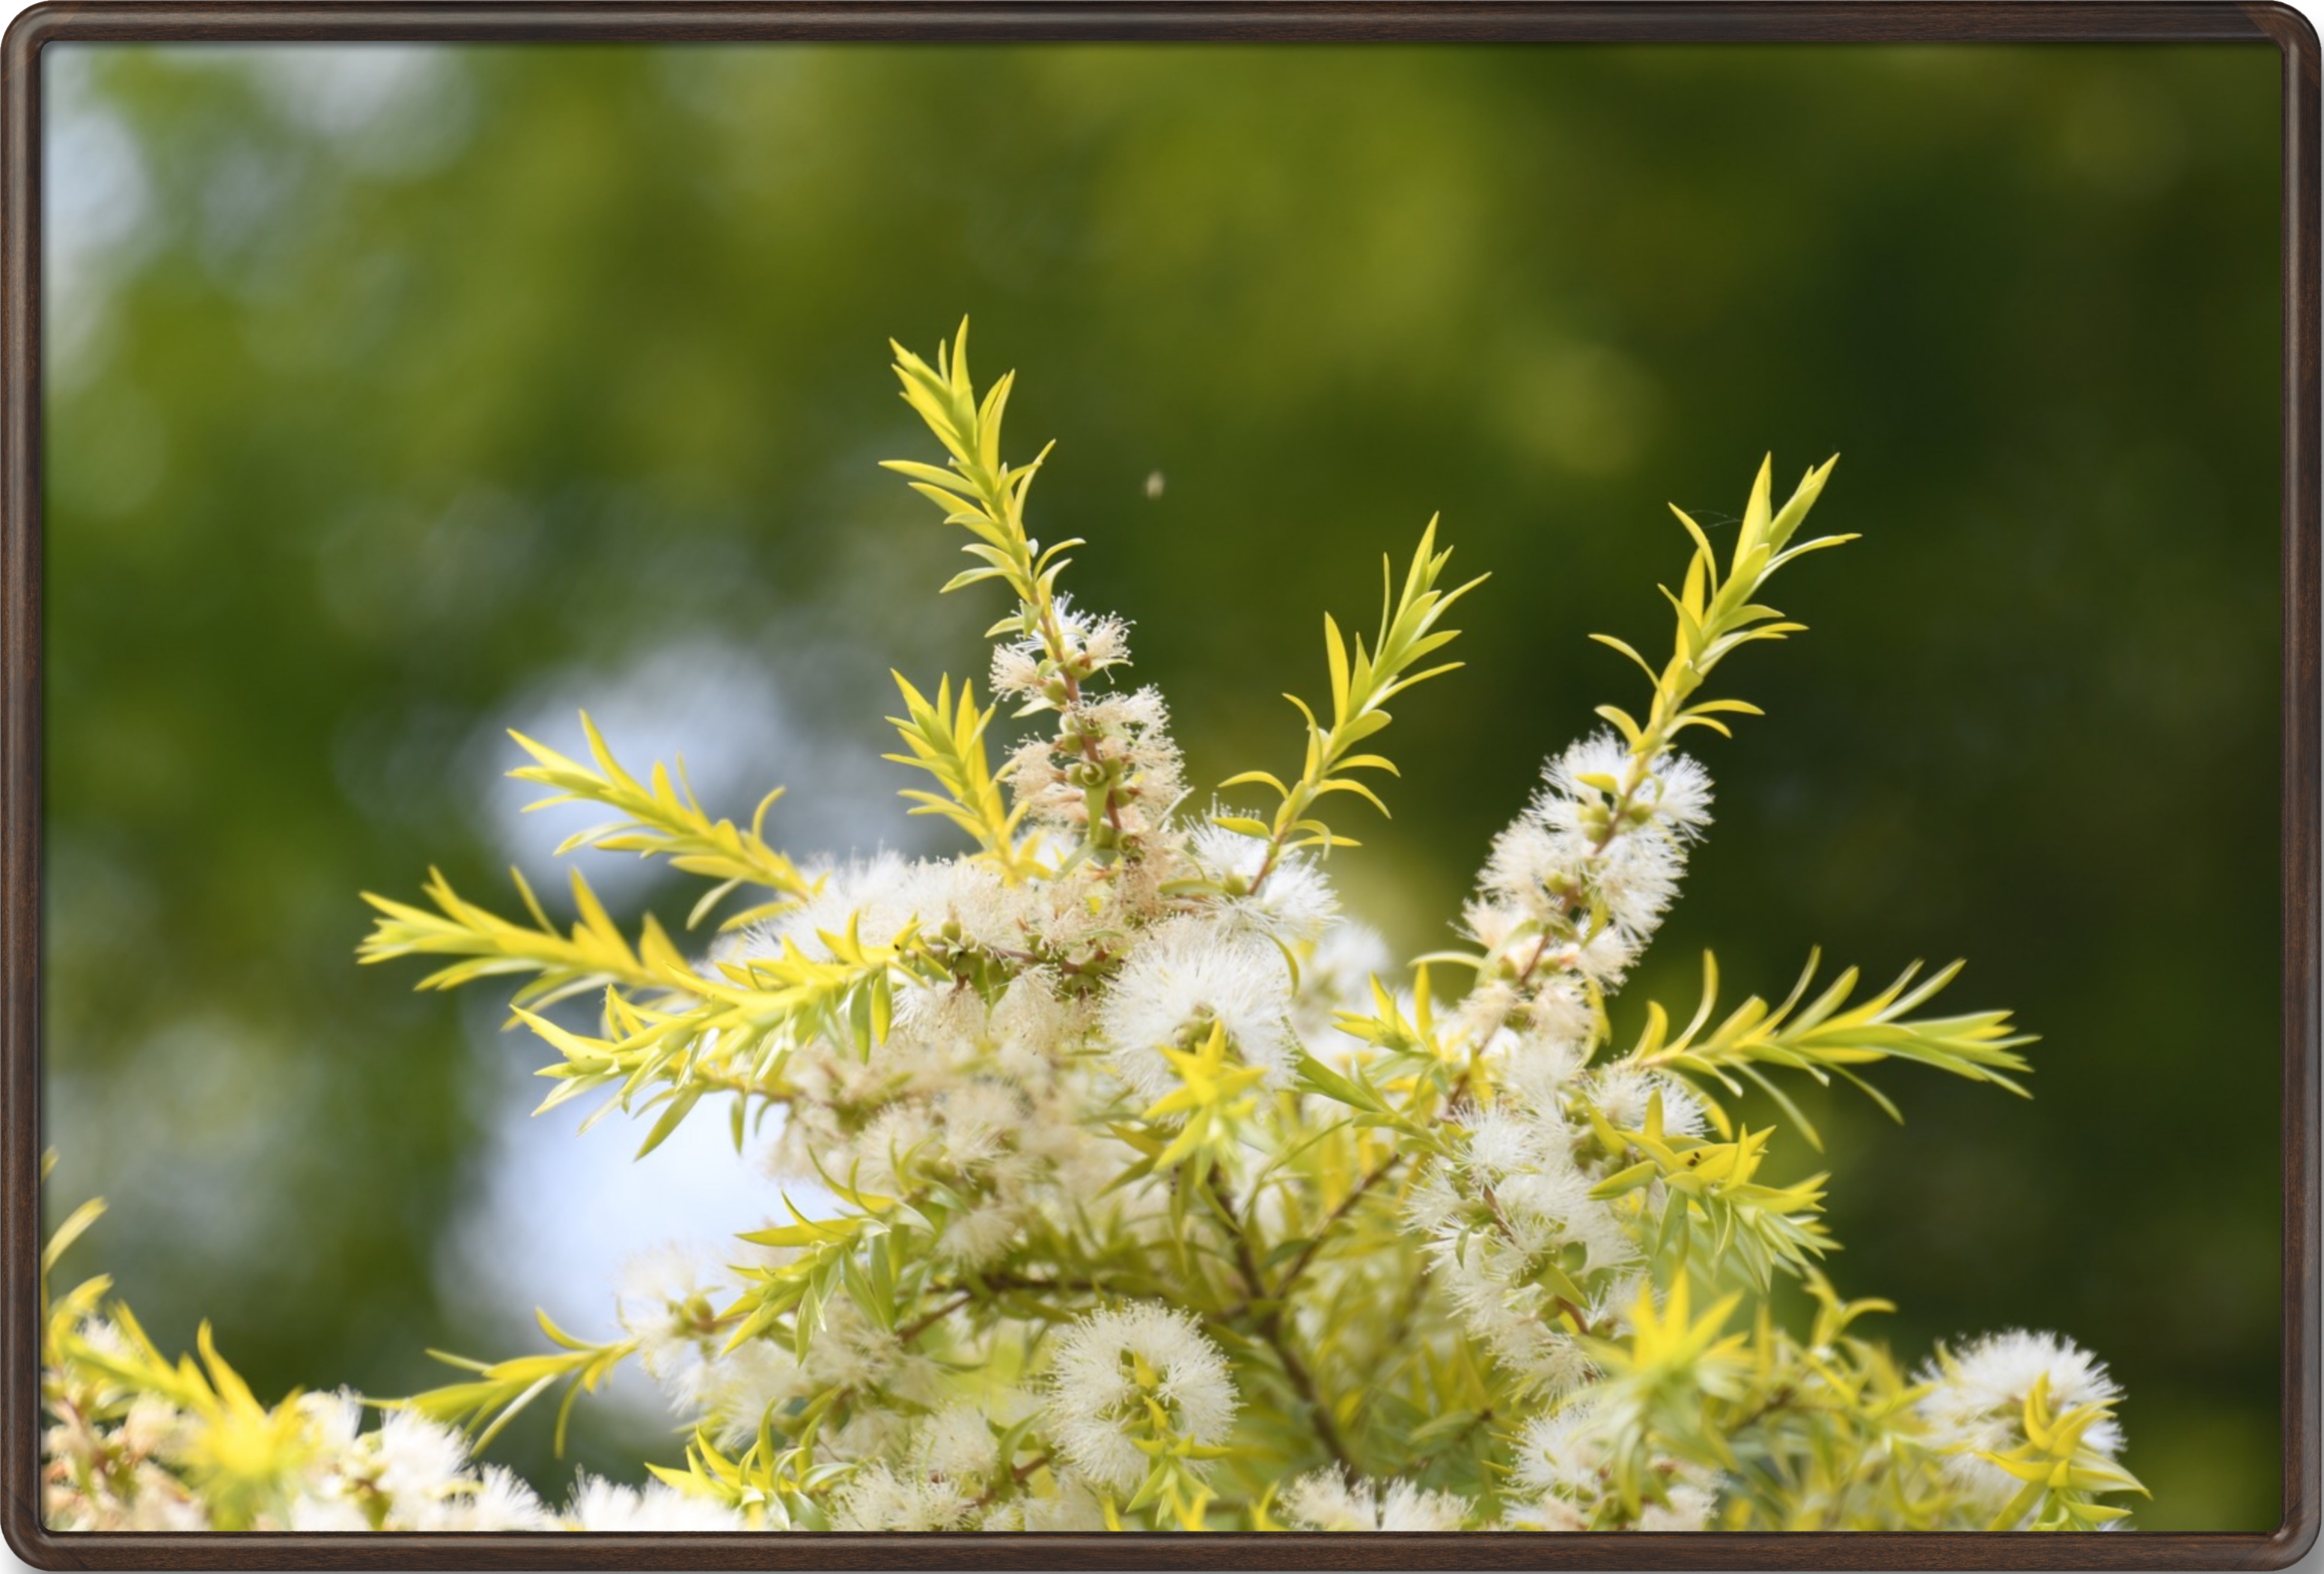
666 1304
1327 1500
1109 775
1975 1405
1578 882
1560 1480
323 1473
938 1480
1514 1201
1026 669
1118 1378
995 1088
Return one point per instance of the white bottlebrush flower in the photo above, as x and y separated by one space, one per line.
1141 709
877 894
1072 1506
1185 975
852 1351
1623 1094
880 897
101 1335
155 1426
1015 669
1548 1211
327 1513
980 1236
1505 1141
1327 1500
1975 1403
419 1460
602 1505
1636 877
1093 642
1487 1281
501 1501
1688 1508
1133 729
1532 866
1569 855
1559 1478
1096 1408
1335 975
1544 1513
1603 956
1495 926
1674 789
1484 1011
871 1434
1681 796
1029 1022
733 1392
879 1499
1295 903
1525 1154
1560 1454
1125 739
1491 1257
957 1444
978 1122
1104 642
1537 1064
1600 755
1993 1375
661 1296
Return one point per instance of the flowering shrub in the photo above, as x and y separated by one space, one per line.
1154 1199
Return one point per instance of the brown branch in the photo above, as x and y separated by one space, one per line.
1269 1328
1017 1477
920 1325
1347 1205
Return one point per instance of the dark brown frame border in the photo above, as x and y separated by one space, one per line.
1027 21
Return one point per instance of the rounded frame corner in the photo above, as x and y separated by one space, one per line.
2284 25
30 1543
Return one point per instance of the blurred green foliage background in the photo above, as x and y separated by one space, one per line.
398 395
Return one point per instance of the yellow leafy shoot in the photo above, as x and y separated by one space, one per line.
981 493
948 743
1826 1036
1362 682
594 955
1716 614
2059 1472
661 819
502 1390
736 1037
1212 1095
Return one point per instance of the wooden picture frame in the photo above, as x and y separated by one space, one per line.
1287 22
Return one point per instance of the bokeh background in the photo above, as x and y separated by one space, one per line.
397 396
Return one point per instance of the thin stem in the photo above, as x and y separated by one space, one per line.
1269 1328
1017 1477
1347 1205
920 1325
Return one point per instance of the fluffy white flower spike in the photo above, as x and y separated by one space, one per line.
1327 1500
1141 1374
1189 974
